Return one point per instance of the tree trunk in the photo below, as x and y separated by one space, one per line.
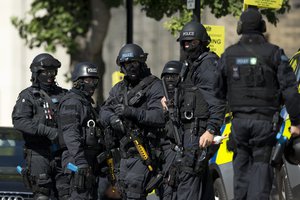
90 47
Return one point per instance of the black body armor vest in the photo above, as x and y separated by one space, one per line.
251 74
191 101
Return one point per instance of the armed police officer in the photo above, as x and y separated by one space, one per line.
201 70
200 73
35 115
259 80
133 110
189 114
81 132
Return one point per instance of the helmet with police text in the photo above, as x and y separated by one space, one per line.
84 69
251 21
292 151
194 31
44 61
172 67
131 52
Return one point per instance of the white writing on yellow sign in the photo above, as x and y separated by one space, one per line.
217 36
264 3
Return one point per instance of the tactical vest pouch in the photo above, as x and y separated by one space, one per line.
172 179
201 161
194 161
83 180
189 104
248 75
259 76
236 72
40 184
91 135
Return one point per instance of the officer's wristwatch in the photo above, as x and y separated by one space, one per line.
211 131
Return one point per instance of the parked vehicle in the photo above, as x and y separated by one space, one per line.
11 155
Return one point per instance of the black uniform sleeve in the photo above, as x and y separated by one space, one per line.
70 113
153 115
288 86
106 110
23 117
208 79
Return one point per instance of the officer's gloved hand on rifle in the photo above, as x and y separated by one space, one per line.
126 111
117 124
47 131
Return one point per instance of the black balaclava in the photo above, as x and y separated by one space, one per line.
87 89
135 71
192 52
171 81
46 79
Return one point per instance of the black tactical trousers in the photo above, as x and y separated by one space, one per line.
85 194
39 164
193 185
253 175
62 181
134 177
46 173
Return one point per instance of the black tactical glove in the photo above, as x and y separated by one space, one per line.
47 131
117 124
124 111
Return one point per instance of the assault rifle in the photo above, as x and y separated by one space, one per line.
173 116
134 136
108 155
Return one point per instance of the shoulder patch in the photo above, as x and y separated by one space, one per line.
284 58
54 100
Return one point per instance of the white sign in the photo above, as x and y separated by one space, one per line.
190 4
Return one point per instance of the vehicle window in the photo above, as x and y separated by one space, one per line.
11 147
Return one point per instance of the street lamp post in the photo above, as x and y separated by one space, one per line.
197 11
129 25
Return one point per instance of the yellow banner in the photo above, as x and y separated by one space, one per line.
263 3
217 35
117 76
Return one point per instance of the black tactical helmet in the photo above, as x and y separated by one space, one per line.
251 20
131 52
194 31
292 151
172 67
84 69
44 61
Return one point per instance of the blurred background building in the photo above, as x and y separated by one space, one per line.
15 57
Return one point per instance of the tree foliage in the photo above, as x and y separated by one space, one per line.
219 8
56 22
